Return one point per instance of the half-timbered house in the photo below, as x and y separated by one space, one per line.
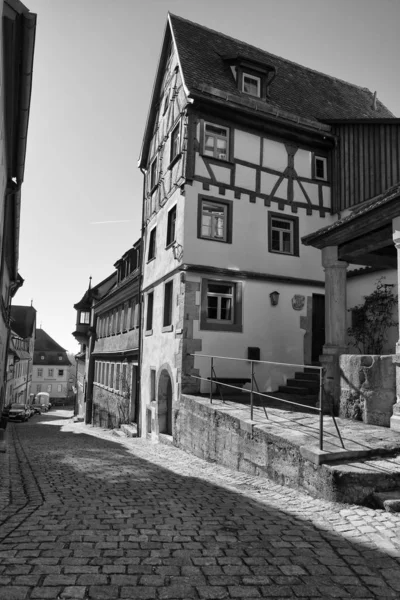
244 154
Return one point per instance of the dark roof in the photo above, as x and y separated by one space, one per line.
363 208
23 320
44 342
47 347
296 89
96 292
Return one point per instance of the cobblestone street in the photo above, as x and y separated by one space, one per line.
88 514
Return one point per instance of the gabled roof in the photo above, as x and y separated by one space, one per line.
23 320
296 89
44 342
96 292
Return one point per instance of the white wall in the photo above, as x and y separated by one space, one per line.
274 329
249 248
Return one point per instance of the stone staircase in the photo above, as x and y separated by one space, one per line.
302 388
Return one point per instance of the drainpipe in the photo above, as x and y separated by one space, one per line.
89 383
138 407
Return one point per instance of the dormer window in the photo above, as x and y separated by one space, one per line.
84 318
251 85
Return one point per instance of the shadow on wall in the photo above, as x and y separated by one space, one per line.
244 531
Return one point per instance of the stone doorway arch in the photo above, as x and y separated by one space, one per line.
164 401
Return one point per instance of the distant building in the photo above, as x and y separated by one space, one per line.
17 39
107 328
20 354
50 368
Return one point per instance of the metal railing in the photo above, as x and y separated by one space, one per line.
254 390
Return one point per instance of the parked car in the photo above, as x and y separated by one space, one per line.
19 412
37 409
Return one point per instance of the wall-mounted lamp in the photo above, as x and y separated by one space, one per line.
274 297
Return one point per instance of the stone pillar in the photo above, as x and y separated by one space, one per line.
395 419
335 324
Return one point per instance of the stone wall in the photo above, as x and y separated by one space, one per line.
109 409
213 433
367 388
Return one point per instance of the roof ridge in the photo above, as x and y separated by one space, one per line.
230 37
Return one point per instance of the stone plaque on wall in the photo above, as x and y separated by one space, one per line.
298 302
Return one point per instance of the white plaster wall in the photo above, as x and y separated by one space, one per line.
247 146
222 174
274 155
3 181
302 163
274 329
245 177
164 261
160 347
249 248
363 285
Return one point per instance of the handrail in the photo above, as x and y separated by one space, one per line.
268 362
320 409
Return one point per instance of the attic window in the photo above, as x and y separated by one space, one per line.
42 357
251 85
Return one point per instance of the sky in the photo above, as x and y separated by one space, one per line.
94 67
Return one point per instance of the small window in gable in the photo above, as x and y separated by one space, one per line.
153 174
216 141
251 85
175 142
320 168
152 244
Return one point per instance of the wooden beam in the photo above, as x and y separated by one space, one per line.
368 243
372 260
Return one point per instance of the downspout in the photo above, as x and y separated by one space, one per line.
89 384
138 407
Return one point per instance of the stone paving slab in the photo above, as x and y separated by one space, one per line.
96 516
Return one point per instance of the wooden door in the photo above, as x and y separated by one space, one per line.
318 326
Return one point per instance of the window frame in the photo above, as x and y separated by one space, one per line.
214 325
173 157
153 175
50 372
228 206
171 213
60 372
40 372
251 76
84 317
152 248
295 229
149 313
324 159
228 138
168 305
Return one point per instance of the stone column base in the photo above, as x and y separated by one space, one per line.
330 361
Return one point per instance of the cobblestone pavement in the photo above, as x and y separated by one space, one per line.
87 514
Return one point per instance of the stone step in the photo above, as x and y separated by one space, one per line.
300 375
292 389
310 384
389 501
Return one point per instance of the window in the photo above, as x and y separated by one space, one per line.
60 357
84 318
61 372
216 139
153 174
136 314
149 316
152 385
38 388
124 316
168 291
175 142
50 372
106 381
49 388
132 313
215 220
59 388
42 357
152 244
320 168
111 375
40 372
251 85
283 234
221 305
171 227
117 377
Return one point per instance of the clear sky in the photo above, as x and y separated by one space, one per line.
94 67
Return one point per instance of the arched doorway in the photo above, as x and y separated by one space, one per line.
165 403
